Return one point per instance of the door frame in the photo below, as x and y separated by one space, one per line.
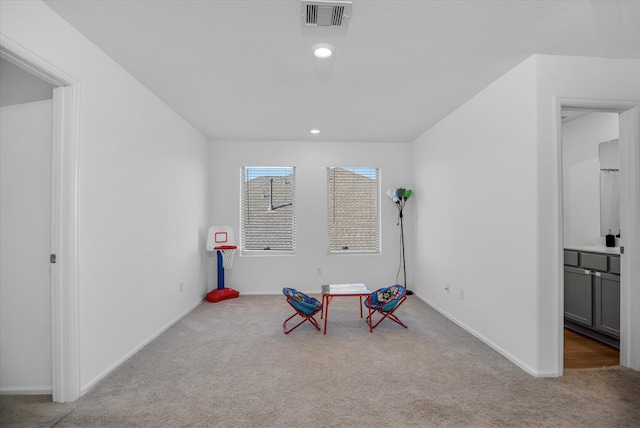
629 153
65 355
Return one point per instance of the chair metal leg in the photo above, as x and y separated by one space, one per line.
305 318
388 315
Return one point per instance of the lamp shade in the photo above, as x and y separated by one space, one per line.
391 194
399 194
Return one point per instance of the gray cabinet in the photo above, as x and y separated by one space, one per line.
578 295
592 295
607 304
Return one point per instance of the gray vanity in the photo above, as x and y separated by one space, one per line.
592 292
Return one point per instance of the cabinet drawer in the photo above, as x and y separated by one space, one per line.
614 265
594 261
570 258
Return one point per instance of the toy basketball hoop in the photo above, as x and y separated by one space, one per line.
228 252
220 239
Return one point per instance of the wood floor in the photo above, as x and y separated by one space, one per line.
580 352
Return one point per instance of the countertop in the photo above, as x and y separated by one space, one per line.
594 248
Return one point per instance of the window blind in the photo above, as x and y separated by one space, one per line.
268 209
353 209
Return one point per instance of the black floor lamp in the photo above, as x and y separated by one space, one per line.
399 197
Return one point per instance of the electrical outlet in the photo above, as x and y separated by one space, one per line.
461 293
181 286
446 287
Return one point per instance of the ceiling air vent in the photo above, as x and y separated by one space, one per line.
325 13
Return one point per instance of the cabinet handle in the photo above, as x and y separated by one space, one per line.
598 274
587 272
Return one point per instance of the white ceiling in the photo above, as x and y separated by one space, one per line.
244 70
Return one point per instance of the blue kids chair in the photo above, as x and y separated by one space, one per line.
305 306
385 301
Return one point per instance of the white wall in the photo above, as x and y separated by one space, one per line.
143 196
489 219
476 220
268 274
581 138
562 79
25 239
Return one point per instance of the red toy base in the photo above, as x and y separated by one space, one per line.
222 294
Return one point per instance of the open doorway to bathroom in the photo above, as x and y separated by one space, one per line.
591 219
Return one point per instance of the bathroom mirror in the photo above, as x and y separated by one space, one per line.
609 188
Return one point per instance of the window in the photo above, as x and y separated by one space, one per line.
268 209
353 210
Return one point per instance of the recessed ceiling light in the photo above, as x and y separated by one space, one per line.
315 131
322 50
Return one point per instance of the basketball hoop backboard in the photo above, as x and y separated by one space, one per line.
219 236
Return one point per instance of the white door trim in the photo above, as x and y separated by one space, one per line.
64 217
629 143
630 215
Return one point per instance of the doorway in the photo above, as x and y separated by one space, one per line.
590 211
629 274
26 105
65 355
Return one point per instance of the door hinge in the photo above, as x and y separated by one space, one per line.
621 250
52 258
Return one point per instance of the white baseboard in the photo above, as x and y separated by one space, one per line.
33 390
495 347
272 293
89 385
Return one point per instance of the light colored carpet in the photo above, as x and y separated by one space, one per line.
228 364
